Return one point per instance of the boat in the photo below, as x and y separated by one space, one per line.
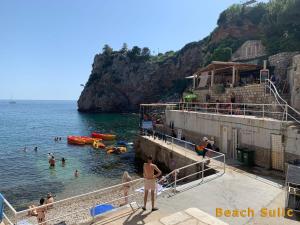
116 150
98 144
75 140
104 137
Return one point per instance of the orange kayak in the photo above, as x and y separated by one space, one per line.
75 140
105 137
89 140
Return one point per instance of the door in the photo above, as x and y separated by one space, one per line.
224 139
234 143
277 152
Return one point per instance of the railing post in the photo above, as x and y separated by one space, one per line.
172 142
244 109
202 166
175 180
231 108
263 111
286 112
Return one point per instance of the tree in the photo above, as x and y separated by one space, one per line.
221 54
107 50
124 48
146 53
134 53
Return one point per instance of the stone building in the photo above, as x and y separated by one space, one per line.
251 49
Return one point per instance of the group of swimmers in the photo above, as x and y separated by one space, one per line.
40 211
52 162
56 139
34 149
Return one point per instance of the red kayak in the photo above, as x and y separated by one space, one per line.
74 140
105 137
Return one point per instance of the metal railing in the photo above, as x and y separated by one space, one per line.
289 111
241 109
215 161
196 170
78 208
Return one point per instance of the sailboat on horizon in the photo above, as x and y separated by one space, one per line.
12 101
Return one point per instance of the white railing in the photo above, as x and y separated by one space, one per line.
287 109
78 208
215 161
196 171
244 109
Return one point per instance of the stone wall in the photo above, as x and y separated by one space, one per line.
249 50
254 93
281 62
294 82
252 132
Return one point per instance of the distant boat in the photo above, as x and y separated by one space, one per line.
12 102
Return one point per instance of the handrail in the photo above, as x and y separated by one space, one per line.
274 90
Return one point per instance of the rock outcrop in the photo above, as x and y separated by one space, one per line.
119 83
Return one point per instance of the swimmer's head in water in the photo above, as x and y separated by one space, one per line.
42 201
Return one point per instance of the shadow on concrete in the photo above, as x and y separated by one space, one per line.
136 218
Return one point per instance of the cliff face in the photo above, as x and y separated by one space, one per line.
119 83
121 80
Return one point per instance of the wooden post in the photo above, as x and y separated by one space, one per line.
233 76
212 77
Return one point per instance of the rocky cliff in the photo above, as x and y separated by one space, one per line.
121 80
119 83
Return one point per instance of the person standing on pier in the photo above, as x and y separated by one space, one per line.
150 181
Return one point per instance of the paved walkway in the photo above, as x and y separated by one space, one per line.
191 216
232 190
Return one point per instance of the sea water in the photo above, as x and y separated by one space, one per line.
25 176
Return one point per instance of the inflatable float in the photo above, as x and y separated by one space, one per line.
116 150
105 137
98 144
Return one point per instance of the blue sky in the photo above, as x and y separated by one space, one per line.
47 46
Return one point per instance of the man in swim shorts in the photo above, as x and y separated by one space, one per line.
150 181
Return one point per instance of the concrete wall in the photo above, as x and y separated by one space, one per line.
254 133
164 157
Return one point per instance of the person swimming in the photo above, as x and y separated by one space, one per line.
76 174
52 161
35 148
63 161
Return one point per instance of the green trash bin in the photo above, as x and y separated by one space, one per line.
248 157
240 157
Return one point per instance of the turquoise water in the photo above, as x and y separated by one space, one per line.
26 176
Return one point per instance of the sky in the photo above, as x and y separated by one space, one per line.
47 47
